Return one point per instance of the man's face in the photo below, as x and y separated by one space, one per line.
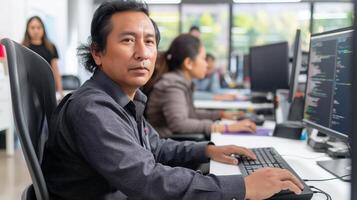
130 53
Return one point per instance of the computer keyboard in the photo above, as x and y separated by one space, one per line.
269 157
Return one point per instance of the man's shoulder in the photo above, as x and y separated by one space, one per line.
86 96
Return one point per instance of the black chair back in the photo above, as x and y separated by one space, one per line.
33 101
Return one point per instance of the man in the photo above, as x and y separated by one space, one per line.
195 31
210 87
211 82
101 147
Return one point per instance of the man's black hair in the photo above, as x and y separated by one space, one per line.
101 26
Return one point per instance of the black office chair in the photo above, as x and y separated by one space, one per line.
33 101
70 82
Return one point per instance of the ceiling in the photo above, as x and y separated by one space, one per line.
228 1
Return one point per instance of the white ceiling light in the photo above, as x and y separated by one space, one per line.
266 1
163 1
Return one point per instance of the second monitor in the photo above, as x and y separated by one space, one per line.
269 67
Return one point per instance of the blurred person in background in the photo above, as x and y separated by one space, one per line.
170 105
35 38
210 86
195 31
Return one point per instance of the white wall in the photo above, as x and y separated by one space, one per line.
80 14
13 19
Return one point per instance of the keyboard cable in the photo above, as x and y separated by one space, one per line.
319 191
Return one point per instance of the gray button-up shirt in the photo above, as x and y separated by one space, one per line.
101 147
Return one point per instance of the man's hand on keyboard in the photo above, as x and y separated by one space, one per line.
266 182
224 153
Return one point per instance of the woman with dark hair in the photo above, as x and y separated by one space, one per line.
35 38
170 106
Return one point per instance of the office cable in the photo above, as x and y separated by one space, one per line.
327 195
326 179
319 191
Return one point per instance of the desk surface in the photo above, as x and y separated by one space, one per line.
299 156
244 105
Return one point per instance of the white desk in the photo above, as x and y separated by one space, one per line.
244 105
299 156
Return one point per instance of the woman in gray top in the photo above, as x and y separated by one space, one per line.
170 106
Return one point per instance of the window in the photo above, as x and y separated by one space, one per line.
258 24
330 16
167 19
213 20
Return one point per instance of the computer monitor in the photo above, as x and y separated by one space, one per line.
269 67
328 92
295 69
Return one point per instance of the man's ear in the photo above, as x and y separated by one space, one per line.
187 63
97 56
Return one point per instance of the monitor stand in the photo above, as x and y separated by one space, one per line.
287 126
288 129
341 168
318 142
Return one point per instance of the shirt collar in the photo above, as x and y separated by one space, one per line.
114 90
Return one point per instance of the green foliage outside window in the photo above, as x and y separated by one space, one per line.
258 25
213 21
167 19
330 16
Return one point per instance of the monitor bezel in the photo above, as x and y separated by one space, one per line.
296 67
307 123
354 112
